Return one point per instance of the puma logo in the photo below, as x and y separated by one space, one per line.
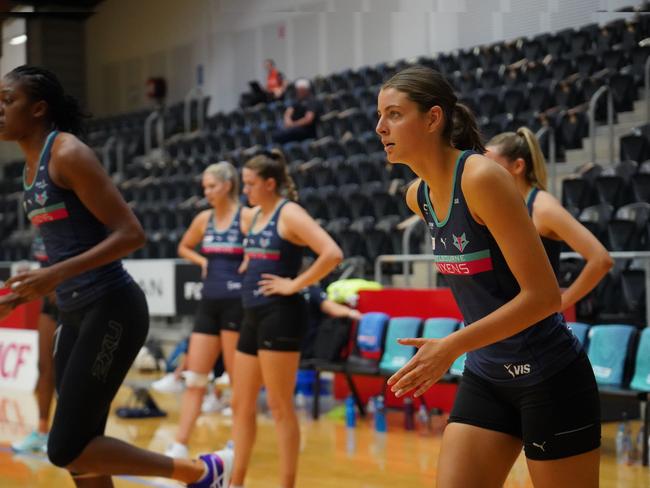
540 446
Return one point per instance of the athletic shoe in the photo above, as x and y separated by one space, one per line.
223 380
226 412
219 466
211 403
34 442
177 450
168 384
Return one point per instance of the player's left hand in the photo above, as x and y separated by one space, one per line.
33 284
427 366
276 285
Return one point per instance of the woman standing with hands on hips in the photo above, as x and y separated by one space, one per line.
527 383
275 315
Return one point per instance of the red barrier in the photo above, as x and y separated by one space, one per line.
22 317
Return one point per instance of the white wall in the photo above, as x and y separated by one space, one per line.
130 41
12 56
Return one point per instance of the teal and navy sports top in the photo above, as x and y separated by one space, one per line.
224 251
481 281
68 229
268 253
552 246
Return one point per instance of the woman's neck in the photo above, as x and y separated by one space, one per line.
224 206
436 165
32 145
523 186
269 205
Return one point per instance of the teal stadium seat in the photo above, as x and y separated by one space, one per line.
396 355
580 330
641 378
608 351
439 327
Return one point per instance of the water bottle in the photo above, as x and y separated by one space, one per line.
350 413
424 421
638 447
301 401
380 414
623 443
409 414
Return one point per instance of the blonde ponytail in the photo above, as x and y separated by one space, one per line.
536 171
523 144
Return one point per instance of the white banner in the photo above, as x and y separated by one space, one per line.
18 359
157 278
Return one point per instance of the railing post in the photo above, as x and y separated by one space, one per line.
592 119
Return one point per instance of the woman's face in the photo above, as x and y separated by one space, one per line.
215 190
18 113
402 126
256 188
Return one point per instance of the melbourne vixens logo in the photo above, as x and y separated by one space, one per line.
460 242
41 198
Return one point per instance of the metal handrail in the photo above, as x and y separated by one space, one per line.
409 258
552 155
406 240
194 94
646 80
106 152
151 118
610 121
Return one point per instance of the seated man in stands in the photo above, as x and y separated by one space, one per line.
300 117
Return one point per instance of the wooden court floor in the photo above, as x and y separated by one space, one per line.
331 455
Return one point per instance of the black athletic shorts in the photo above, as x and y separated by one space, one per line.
215 315
277 326
557 418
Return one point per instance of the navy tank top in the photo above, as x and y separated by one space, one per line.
225 251
552 246
68 229
481 281
268 253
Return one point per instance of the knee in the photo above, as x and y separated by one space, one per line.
62 454
194 380
281 409
244 408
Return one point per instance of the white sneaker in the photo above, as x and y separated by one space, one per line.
219 466
224 380
226 412
168 384
177 450
211 403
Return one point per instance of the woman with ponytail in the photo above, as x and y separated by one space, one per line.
219 315
87 228
520 154
523 364
275 315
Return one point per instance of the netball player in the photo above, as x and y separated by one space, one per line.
275 316
37 439
520 154
219 314
87 228
527 383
